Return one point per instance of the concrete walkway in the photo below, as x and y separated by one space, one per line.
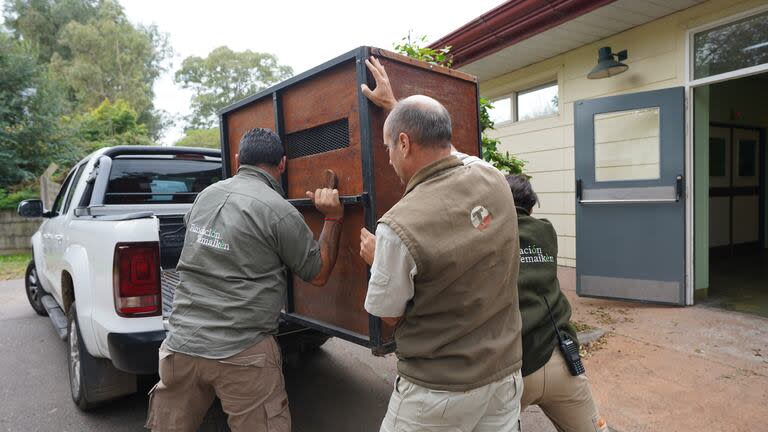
676 369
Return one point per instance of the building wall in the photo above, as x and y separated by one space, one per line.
657 52
16 232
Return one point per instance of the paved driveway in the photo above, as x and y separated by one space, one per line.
342 388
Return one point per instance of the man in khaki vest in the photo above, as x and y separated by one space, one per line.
442 264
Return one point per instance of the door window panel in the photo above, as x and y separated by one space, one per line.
75 180
729 47
627 145
747 158
717 160
59 201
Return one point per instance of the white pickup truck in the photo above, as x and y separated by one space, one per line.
105 255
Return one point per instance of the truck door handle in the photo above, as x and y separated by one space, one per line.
59 237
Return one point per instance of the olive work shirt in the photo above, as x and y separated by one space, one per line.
242 235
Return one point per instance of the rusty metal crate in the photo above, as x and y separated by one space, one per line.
325 122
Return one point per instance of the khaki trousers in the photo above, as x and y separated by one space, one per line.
564 398
492 408
250 386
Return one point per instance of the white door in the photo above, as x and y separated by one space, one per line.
53 239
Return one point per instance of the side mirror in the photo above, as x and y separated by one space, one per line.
31 208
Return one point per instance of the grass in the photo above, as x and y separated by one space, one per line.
14 266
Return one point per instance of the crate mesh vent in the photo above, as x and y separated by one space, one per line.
319 139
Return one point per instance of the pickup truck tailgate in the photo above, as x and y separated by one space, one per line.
168 281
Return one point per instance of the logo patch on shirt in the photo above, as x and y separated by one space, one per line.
207 236
535 254
480 217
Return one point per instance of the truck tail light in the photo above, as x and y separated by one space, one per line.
137 279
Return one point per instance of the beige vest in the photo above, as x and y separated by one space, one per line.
462 328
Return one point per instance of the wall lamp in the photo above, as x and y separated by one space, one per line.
608 64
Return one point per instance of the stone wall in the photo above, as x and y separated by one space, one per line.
15 232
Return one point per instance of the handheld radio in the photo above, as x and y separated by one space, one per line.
567 347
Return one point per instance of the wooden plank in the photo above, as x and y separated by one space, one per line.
258 114
329 96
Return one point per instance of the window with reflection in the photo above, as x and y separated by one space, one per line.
541 101
729 47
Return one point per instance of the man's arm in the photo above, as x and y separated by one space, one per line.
367 252
327 202
392 271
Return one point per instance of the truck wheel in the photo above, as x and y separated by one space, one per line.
34 289
92 380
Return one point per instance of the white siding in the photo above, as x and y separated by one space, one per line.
656 60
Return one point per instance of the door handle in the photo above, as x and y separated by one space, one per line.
59 237
673 194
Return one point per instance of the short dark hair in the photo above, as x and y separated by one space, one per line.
522 190
425 123
260 146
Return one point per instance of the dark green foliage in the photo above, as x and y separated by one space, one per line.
30 107
10 200
109 125
39 22
61 63
94 51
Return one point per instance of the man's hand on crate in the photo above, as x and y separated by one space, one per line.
382 95
327 202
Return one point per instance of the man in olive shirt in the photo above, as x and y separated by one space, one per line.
241 237
566 399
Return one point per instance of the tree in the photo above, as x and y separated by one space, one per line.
504 162
30 107
39 22
111 59
109 124
225 76
208 138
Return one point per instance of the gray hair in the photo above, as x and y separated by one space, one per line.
423 119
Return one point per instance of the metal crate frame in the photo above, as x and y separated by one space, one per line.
367 199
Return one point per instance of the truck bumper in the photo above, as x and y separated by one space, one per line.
135 353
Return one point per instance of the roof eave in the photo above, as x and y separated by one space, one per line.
509 23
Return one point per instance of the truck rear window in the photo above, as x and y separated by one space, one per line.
160 181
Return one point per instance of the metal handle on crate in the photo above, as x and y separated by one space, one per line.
331 181
348 199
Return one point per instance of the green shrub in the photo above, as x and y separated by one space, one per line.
11 200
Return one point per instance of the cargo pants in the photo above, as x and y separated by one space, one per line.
250 386
565 399
494 407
